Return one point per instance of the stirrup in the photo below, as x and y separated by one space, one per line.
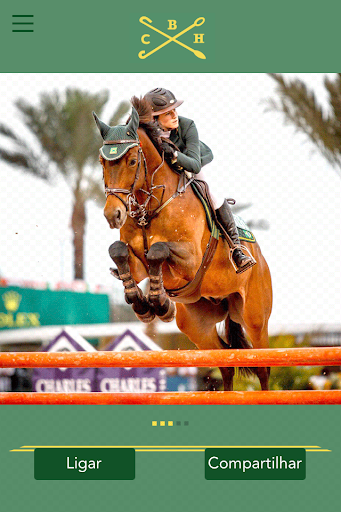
251 263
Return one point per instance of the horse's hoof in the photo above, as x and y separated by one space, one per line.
146 318
170 315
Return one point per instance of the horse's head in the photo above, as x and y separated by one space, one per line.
121 158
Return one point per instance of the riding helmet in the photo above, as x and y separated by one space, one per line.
162 101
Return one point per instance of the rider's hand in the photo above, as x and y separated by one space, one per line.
168 151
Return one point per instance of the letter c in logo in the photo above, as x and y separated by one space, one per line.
144 37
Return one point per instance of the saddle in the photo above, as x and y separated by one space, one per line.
201 190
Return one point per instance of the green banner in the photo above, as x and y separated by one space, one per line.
23 307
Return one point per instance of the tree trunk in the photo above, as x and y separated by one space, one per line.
78 222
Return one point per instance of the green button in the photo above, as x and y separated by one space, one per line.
84 464
255 464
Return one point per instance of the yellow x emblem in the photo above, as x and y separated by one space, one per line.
146 21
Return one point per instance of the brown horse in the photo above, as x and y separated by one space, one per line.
163 237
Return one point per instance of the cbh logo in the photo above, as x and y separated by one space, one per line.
172 25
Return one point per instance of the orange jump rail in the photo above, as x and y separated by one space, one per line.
306 356
184 398
317 356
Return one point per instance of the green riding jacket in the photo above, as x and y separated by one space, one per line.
193 154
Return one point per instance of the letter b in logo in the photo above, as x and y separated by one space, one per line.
172 25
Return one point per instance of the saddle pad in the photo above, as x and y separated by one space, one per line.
245 235
243 230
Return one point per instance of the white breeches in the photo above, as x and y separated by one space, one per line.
217 198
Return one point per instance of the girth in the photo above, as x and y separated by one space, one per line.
191 292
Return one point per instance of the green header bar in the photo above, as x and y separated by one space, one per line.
84 464
255 464
260 36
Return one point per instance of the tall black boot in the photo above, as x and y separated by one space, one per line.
225 217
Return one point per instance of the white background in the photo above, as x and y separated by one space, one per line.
257 159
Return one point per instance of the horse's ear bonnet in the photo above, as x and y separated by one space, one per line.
112 149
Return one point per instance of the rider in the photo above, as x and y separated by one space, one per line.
192 156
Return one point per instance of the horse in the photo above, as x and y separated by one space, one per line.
164 235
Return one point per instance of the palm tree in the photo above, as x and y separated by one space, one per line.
68 139
300 108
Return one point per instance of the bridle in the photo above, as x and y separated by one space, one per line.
115 191
133 207
139 212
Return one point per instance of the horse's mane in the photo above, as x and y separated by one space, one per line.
147 122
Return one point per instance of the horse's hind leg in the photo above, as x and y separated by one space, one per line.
253 314
260 339
263 374
198 321
118 252
227 375
164 308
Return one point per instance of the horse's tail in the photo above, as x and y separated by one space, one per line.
236 339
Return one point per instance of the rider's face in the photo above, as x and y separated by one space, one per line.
169 120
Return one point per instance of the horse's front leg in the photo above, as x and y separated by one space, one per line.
164 308
119 253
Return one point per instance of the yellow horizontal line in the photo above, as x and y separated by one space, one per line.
137 450
320 450
170 446
168 450
20 450
157 449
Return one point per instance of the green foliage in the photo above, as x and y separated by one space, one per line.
300 108
65 131
280 379
296 377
